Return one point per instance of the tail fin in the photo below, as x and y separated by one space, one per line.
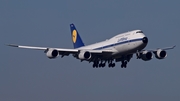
76 39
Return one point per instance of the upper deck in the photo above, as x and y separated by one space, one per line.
130 33
120 37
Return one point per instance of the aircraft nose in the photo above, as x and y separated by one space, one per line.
145 40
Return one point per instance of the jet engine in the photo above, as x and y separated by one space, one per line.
51 53
146 55
84 55
160 54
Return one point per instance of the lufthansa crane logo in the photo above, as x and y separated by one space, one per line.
74 36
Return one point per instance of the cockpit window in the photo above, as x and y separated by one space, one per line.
139 32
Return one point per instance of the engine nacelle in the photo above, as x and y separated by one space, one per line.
146 55
52 53
160 54
84 55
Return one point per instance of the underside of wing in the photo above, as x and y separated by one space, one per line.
160 53
50 52
166 48
27 47
84 54
94 55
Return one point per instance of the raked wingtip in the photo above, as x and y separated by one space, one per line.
12 45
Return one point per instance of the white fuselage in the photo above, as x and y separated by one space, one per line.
122 44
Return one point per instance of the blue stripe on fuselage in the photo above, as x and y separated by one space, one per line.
111 45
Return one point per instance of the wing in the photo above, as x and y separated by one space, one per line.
166 48
66 52
160 53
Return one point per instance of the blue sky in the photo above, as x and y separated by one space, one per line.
28 75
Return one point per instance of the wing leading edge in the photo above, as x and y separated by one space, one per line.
63 50
166 48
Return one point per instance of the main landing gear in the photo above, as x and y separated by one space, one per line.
124 64
103 64
111 64
96 64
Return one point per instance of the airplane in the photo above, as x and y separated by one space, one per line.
119 48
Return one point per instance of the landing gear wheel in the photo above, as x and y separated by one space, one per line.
124 64
109 65
103 65
96 64
100 65
93 65
113 65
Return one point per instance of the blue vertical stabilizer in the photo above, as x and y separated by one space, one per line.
76 39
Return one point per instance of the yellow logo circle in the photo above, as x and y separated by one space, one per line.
74 36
